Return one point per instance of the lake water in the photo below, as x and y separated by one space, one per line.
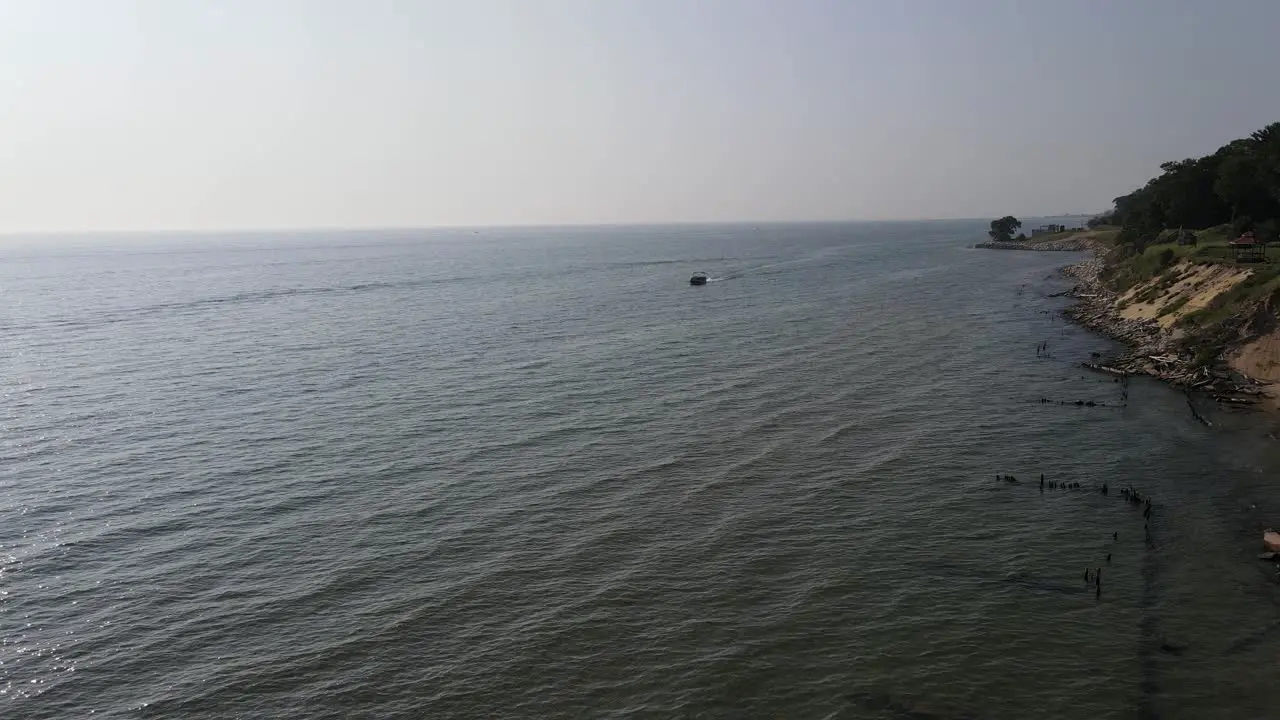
534 473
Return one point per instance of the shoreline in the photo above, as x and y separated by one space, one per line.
1150 349
1072 243
1187 362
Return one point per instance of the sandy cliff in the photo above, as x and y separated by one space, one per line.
1207 326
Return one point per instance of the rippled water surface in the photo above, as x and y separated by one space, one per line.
533 473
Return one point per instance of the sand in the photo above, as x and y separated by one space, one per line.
1199 284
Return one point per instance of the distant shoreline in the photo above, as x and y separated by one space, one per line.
1072 241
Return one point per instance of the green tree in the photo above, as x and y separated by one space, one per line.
1002 229
1239 182
1242 225
1267 154
1267 135
1187 194
1268 231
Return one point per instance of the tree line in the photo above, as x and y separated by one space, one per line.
1239 184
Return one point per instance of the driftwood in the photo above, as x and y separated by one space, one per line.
1079 403
1104 368
1234 400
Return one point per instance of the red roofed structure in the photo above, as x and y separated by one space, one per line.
1248 248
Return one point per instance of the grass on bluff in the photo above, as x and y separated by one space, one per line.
1212 244
1104 235
1049 237
1264 281
1167 279
1141 267
1174 306
1211 248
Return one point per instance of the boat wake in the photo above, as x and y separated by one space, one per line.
768 268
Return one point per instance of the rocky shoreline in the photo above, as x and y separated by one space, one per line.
1067 244
1150 349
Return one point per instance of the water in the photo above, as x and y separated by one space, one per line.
534 473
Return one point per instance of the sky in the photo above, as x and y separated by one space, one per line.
262 114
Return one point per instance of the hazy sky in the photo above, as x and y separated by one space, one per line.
159 114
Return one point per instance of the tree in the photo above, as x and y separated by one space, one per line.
1237 184
1242 225
1268 231
1267 135
1267 153
1002 229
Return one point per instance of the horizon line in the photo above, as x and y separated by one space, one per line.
232 230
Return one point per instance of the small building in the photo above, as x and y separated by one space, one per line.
1048 229
1248 248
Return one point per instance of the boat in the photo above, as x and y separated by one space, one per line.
699 278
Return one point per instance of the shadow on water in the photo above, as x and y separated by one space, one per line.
1150 643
